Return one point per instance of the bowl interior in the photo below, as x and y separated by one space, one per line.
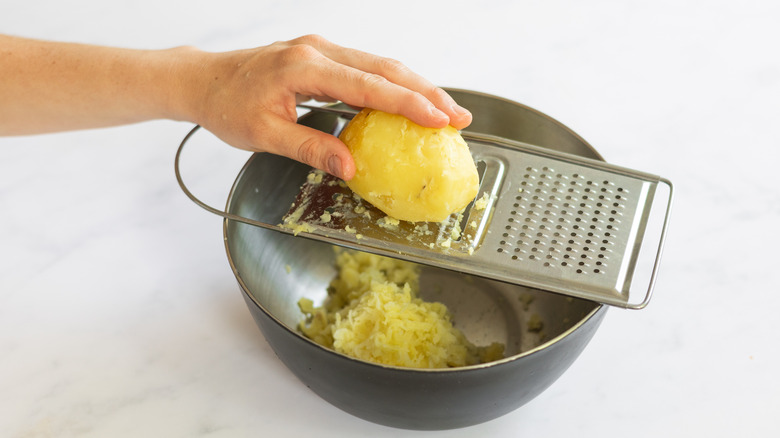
278 270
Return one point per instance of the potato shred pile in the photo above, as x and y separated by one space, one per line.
373 313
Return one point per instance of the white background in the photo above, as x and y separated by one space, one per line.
119 315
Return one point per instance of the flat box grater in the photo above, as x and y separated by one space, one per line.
543 219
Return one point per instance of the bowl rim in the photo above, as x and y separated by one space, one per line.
545 345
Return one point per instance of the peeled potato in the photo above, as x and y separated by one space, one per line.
410 172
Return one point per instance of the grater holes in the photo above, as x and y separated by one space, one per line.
564 220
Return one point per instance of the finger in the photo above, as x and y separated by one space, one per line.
307 145
362 89
399 74
395 72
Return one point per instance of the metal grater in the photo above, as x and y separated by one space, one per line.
542 219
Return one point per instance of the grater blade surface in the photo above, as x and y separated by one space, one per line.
545 219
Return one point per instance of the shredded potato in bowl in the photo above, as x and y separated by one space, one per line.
373 313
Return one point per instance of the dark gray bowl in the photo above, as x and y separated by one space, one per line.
275 270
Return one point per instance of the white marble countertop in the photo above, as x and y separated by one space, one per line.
119 315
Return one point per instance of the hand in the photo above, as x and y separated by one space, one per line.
250 97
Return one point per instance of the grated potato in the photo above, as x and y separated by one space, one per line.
373 313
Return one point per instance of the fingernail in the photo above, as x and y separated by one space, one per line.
334 166
439 114
459 110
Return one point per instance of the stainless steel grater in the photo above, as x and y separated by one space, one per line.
542 219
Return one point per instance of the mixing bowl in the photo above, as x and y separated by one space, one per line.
543 332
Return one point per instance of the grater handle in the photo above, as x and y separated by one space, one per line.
346 113
661 242
202 204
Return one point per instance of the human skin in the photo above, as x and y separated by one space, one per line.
245 97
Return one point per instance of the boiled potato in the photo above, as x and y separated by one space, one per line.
410 172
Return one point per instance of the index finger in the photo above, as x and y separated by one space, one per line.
398 73
393 71
363 89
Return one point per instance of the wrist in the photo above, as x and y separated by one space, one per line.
184 84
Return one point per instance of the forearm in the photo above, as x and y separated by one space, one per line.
48 86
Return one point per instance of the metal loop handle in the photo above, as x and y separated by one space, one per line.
225 214
661 242
202 204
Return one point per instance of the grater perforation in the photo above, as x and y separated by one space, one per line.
567 230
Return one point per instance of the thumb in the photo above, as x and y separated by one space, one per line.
311 146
